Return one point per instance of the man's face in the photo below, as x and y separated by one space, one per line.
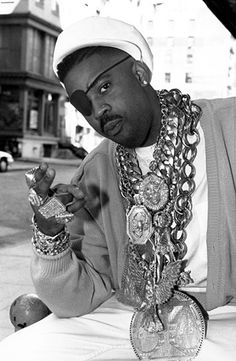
121 110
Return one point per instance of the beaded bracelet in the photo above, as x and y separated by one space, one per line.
50 245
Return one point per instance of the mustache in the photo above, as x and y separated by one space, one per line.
105 118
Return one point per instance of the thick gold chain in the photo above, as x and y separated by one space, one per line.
158 211
174 153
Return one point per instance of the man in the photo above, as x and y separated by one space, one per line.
151 247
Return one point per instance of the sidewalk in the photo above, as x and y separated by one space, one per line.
15 280
69 162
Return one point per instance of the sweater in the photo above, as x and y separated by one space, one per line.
78 280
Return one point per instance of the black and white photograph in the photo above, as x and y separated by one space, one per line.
117 180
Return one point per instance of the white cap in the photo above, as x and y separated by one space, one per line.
102 31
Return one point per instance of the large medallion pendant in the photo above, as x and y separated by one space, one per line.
154 192
139 224
182 334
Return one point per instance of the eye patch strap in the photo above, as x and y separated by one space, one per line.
110 67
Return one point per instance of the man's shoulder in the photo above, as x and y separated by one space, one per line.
218 114
217 103
98 160
103 150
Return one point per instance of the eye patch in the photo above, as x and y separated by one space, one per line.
81 102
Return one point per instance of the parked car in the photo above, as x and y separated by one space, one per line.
5 159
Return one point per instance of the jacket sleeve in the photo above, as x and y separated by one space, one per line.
79 280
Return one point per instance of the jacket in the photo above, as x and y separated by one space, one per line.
80 279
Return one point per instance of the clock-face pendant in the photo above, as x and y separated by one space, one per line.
154 192
139 224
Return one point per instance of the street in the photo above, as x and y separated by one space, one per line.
15 212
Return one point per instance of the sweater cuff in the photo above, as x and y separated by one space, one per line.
53 265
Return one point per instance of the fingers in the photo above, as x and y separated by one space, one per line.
44 199
76 205
76 191
39 180
72 196
44 177
79 199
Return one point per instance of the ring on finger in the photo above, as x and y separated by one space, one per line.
63 218
53 207
30 177
34 198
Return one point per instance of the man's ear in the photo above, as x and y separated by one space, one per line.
141 72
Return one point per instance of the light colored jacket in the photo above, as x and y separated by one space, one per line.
79 280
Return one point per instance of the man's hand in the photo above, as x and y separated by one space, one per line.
71 196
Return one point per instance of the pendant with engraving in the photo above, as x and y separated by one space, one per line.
154 192
139 224
182 334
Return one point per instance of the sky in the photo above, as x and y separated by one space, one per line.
73 10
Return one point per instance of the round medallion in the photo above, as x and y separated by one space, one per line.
182 334
162 220
154 192
139 224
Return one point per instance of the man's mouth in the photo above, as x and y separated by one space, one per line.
112 127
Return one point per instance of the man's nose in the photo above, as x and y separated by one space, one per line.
100 109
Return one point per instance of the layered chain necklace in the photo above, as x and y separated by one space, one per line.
167 324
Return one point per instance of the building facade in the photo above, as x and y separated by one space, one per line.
31 97
193 50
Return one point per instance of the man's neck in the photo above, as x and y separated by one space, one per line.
154 130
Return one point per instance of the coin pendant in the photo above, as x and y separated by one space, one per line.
154 192
182 336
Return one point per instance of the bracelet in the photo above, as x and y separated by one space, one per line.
50 245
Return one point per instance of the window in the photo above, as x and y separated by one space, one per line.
39 3
189 58
150 41
37 51
150 25
191 26
10 47
188 78
33 111
168 58
171 25
167 77
190 42
170 41
10 108
50 114
55 7
49 49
